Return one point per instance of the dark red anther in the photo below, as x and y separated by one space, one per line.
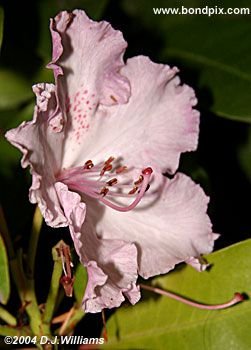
121 169
107 167
112 182
109 160
133 190
147 171
138 182
88 164
104 191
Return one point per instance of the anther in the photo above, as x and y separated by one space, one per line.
121 169
104 191
134 190
107 167
139 181
88 164
109 160
112 182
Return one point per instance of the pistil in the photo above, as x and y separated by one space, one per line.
237 298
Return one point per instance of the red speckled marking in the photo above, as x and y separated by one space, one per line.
80 107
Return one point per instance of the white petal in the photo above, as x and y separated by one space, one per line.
167 228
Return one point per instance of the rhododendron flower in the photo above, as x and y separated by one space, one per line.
99 137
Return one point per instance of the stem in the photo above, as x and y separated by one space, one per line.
7 317
70 323
74 320
235 300
53 292
66 321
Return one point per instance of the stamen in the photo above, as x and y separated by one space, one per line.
146 178
238 297
94 180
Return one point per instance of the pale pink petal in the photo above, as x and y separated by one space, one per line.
168 227
118 261
111 264
153 128
42 151
89 55
96 278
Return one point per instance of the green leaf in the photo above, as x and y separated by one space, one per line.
215 50
162 323
4 274
14 89
1 25
80 283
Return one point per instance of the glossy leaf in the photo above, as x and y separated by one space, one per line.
4 274
215 50
161 323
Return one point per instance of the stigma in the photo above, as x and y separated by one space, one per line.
107 183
